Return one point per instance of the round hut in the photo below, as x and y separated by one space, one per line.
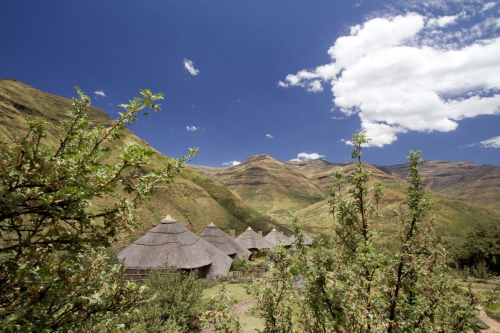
169 244
308 240
252 241
275 237
218 238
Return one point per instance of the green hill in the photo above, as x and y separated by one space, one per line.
273 190
465 181
267 185
453 217
193 197
260 191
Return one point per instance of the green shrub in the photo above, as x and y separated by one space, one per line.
174 304
480 250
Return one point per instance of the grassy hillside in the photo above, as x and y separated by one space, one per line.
268 185
260 191
264 190
465 181
453 217
193 197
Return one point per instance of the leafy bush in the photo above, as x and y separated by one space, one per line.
217 314
54 274
480 251
173 305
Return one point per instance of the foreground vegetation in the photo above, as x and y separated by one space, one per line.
56 274
350 285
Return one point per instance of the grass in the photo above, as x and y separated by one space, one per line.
493 311
236 290
250 324
193 197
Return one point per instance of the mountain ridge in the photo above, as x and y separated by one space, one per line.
453 215
193 197
261 191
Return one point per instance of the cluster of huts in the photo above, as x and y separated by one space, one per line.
211 253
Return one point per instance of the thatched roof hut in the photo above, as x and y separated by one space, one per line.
308 240
170 243
218 238
252 241
275 237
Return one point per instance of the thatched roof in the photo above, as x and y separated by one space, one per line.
224 242
251 240
170 242
275 237
308 240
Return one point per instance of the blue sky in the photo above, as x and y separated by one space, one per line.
416 74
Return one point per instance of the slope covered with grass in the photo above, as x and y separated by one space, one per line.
193 197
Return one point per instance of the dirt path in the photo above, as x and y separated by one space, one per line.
493 324
241 308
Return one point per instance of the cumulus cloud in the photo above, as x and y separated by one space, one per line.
269 136
491 143
189 65
192 128
100 93
231 163
304 157
411 73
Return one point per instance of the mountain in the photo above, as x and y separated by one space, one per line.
193 197
260 191
465 181
271 187
267 185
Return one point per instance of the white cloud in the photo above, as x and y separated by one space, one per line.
398 74
189 65
231 163
192 128
269 136
442 21
100 93
488 6
491 143
304 157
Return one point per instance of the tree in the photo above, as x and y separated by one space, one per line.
351 285
53 273
480 248
274 294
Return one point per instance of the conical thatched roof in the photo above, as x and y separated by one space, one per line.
218 238
308 240
170 242
275 237
251 240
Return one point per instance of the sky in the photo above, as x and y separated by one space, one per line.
291 79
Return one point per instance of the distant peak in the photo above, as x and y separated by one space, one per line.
319 161
262 157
